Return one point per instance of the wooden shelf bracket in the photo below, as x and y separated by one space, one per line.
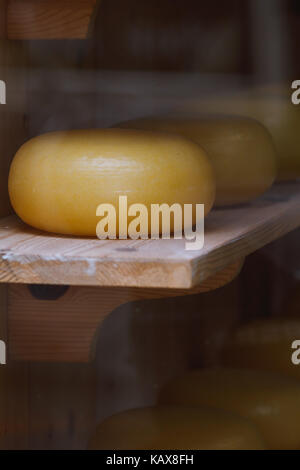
49 19
65 329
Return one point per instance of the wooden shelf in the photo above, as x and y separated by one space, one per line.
29 256
49 19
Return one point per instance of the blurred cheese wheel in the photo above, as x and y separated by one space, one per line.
57 180
264 344
272 401
176 428
276 112
240 149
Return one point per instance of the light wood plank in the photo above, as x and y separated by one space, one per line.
49 19
30 256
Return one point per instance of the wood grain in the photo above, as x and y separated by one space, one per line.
49 19
66 329
30 256
44 406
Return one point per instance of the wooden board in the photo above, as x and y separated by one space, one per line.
49 19
30 256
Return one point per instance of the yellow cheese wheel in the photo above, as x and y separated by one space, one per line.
264 344
276 112
271 400
171 428
57 180
240 149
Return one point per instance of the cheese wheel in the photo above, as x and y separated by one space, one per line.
241 151
264 344
277 113
173 428
58 180
271 400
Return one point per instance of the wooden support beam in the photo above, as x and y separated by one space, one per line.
66 329
50 19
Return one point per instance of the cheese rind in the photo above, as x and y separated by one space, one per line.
271 400
264 344
276 112
171 428
58 180
241 151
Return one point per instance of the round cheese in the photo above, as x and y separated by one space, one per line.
172 428
272 401
241 151
277 113
58 180
264 344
